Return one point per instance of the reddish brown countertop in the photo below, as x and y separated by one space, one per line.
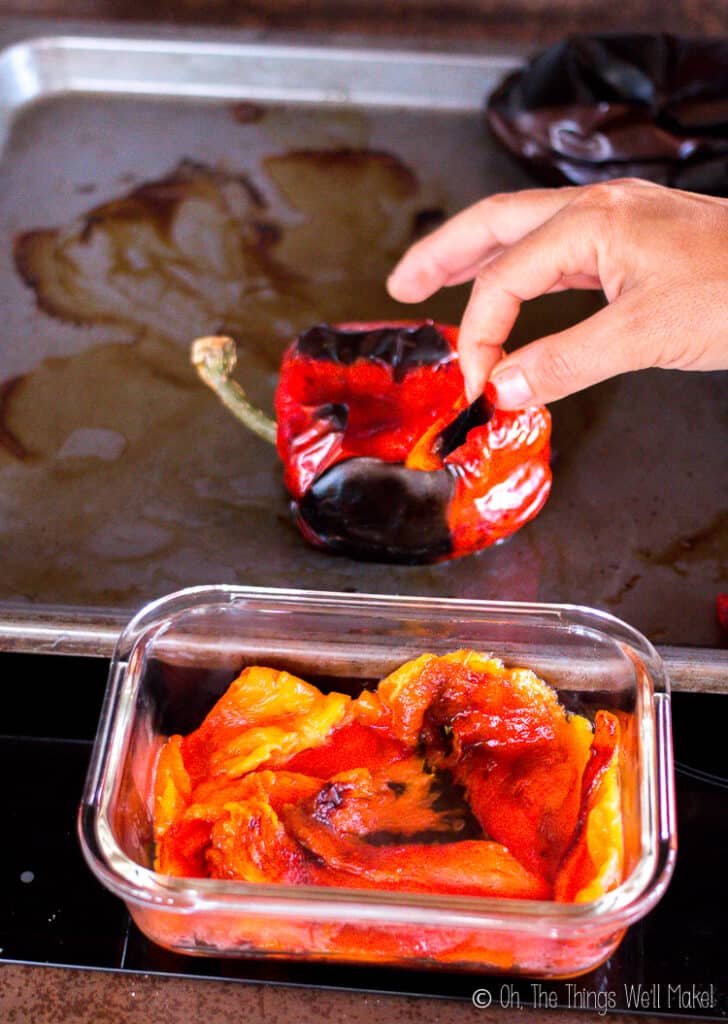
529 21
48 995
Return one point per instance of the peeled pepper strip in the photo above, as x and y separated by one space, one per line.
400 800
538 786
467 868
231 829
265 717
172 787
509 742
595 862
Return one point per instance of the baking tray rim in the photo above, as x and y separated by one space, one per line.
64 630
46 64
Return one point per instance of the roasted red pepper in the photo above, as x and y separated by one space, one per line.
722 609
382 457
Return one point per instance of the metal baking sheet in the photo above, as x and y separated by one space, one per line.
153 189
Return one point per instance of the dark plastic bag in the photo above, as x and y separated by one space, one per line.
592 108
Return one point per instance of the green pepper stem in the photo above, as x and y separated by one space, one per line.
214 359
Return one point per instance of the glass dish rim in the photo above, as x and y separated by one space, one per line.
143 886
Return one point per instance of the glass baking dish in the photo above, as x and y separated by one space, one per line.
178 656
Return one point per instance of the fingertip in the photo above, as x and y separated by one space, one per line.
407 286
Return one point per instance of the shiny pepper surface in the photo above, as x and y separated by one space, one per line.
382 458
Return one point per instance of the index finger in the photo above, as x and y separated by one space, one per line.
454 252
564 248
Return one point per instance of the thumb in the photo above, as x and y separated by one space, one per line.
600 347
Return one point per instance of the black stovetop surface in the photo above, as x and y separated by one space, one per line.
55 912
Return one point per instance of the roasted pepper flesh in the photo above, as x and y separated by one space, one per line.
375 387
457 776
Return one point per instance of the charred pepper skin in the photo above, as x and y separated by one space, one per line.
381 457
378 511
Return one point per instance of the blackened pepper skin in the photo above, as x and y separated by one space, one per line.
378 511
382 457
401 348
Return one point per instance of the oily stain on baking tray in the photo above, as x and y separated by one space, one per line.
197 251
200 248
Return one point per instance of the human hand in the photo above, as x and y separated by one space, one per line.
659 255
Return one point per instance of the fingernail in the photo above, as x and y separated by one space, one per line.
512 388
473 388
